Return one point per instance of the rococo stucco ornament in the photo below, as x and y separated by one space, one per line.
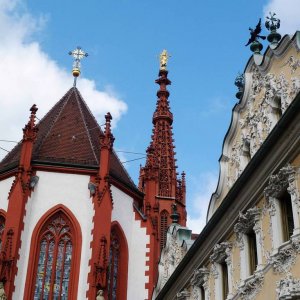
279 182
200 279
288 288
183 295
247 221
251 287
286 257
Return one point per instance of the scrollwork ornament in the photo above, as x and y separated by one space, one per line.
284 259
295 87
183 295
293 63
288 288
251 287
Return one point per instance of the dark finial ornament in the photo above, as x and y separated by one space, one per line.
240 83
174 216
272 24
256 46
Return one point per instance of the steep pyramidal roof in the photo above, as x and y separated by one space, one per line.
69 134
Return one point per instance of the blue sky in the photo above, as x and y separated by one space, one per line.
124 38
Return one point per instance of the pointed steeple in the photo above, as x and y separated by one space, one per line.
160 162
158 178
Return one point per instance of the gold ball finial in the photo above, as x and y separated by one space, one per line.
78 55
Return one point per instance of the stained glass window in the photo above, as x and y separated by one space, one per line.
2 223
114 261
54 260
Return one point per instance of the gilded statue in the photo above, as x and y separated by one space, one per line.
163 58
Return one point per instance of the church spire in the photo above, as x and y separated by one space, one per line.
161 162
158 178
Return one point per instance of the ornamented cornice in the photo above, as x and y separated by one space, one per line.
286 256
279 182
249 220
288 288
221 252
200 277
251 287
183 295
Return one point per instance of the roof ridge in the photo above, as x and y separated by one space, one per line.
55 118
117 157
88 109
124 169
77 96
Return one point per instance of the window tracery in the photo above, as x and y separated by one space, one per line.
118 264
55 250
114 260
2 224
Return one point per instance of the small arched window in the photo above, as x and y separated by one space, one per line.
55 256
118 265
163 228
2 224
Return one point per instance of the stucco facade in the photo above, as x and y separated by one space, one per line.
246 250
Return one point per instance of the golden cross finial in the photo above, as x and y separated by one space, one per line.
78 55
163 59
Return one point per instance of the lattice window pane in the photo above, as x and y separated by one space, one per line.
54 264
114 261
2 224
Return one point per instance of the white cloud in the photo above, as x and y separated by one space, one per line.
204 186
288 13
28 75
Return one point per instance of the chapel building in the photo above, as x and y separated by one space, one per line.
73 225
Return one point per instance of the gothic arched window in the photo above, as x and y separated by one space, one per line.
118 265
55 254
163 228
2 224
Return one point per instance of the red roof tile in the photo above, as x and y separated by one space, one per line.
69 133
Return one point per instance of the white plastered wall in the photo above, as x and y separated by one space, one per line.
53 189
5 186
137 240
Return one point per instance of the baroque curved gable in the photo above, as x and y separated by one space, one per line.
270 87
